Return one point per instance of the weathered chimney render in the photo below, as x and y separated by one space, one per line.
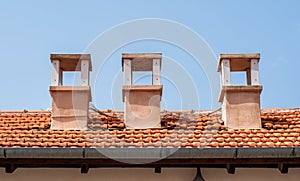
240 103
142 102
70 103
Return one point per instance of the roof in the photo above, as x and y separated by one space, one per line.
186 139
184 129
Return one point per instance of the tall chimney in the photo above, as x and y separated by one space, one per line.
240 103
70 103
142 102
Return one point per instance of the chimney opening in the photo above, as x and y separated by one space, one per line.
71 78
142 78
238 78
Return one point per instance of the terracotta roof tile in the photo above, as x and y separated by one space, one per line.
281 128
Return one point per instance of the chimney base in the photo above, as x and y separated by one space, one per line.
69 123
70 107
241 106
142 106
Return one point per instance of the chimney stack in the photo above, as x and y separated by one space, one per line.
241 103
70 103
142 102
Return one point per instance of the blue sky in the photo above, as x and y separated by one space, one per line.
31 30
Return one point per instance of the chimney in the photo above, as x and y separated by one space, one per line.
70 103
142 102
241 103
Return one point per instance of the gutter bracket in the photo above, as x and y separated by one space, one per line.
84 168
230 168
10 168
283 168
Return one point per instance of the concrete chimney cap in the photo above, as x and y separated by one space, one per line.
141 61
238 62
71 62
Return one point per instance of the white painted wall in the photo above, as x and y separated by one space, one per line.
250 174
99 174
145 174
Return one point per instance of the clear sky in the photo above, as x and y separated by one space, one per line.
31 30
